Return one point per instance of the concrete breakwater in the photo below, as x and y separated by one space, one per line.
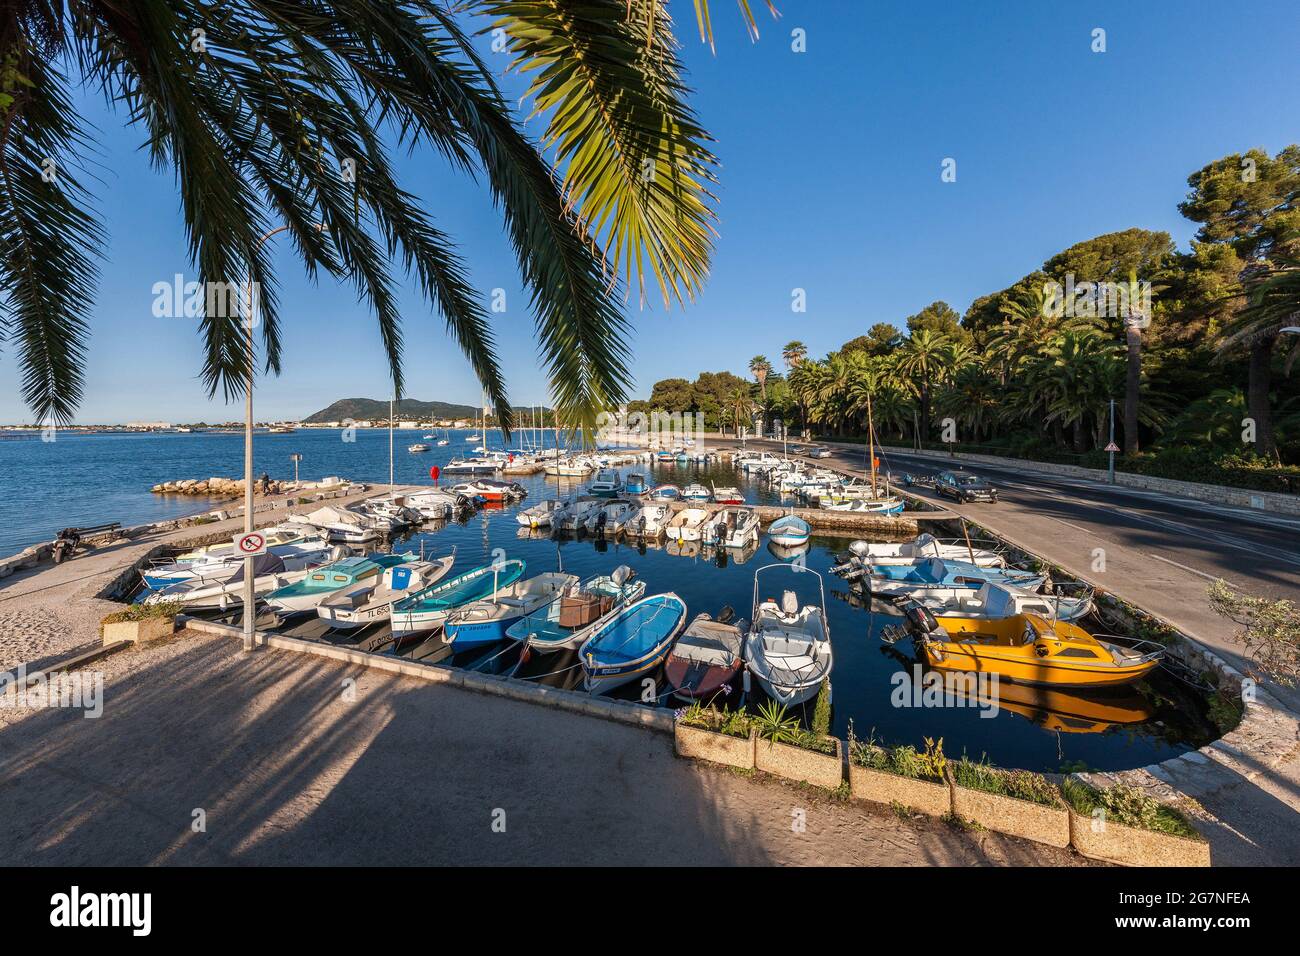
234 487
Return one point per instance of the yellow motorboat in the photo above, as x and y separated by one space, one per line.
1029 649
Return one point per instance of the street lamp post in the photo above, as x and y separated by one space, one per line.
250 599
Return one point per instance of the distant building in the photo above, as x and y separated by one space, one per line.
148 424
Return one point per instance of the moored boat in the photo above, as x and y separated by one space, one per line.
695 492
485 621
687 524
665 493
632 643
577 611
1030 649
636 484
302 597
372 602
788 648
789 531
921 574
541 514
706 658
427 609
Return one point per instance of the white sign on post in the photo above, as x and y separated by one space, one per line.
248 545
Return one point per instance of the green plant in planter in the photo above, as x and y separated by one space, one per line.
1128 806
903 761
1020 784
141 612
773 724
733 723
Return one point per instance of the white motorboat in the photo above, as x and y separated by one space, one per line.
269 574
992 601
295 554
788 648
687 524
927 546
275 535
755 461
577 467
341 524
418 447
696 492
574 515
731 528
472 466
436 504
648 521
607 484
601 522
541 514
371 602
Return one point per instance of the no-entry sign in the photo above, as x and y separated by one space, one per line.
250 544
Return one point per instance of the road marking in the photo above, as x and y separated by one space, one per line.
1208 577
1076 527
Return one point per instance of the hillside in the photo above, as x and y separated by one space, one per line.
369 409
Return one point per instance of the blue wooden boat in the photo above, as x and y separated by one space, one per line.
789 531
427 610
926 573
636 484
633 643
485 622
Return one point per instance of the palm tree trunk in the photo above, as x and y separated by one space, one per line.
1257 389
1080 436
1131 392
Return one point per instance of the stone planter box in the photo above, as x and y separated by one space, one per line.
1131 846
704 744
1014 817
152 629
878 786
795 763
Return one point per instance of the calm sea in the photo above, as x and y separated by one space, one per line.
85 479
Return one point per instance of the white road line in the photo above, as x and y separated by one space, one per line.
1202 574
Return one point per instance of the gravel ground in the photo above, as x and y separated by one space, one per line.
287 759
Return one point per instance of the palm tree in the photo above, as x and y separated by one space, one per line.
760 368
741 405
1273 296
260 111
921 358
1136 319
794 353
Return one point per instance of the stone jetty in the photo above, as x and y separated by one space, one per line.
234 487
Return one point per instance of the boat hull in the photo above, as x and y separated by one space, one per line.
1037 672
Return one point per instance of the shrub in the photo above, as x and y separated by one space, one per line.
733 723
1128 806
141 612
904 760
1020 784
1270 630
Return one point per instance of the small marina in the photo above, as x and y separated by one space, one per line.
511 548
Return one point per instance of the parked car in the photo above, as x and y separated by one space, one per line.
819 451
962 487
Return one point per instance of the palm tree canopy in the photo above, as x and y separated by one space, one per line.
257 112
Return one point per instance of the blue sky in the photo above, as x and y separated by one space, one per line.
831 164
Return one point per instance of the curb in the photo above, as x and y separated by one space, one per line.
625 712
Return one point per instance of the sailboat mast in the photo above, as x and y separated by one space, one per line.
871 444
390 448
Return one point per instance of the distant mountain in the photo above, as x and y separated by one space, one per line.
370 409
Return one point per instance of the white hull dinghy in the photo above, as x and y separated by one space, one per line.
602 522
926 546
541 514
648 521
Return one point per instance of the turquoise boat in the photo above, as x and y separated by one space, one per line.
633 643
428 609
302 597
572 617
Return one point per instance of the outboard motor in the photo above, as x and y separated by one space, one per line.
919 618
640 525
